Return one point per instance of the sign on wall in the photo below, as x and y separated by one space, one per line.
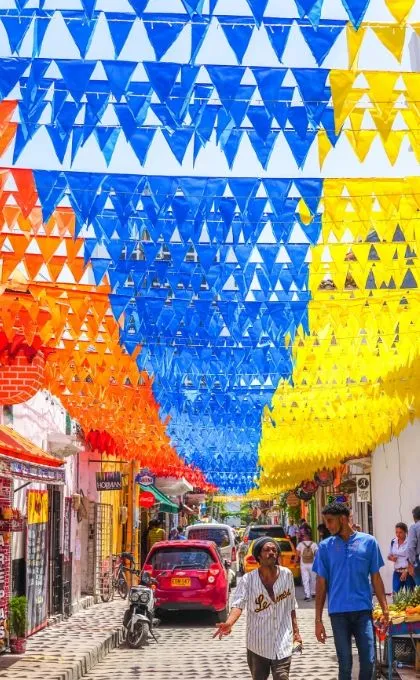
363 492
145 478
108 481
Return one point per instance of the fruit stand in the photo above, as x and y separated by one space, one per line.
404 623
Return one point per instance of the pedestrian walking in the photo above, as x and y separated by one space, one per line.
398 554
414 547
156 533
307 550
323 532
269 594
346 564
292 531
304 529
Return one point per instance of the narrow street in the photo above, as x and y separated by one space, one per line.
187 651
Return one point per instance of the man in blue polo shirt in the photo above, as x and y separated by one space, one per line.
346 564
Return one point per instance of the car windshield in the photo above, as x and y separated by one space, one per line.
187 558
218 535
273 532
285 546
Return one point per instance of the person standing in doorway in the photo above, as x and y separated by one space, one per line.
307 550
398 554
272 628
346 564
156 533
414 547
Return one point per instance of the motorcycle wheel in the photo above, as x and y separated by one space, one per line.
138 636
122 588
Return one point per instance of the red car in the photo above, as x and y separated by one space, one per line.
191 575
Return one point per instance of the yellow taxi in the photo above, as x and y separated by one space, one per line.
288 557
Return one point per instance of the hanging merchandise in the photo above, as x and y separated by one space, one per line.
324 477
37 560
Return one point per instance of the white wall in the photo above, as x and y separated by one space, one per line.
395 487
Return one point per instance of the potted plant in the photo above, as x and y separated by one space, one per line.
17 619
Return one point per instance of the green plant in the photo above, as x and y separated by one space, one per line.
17 615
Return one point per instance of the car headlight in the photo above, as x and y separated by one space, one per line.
134 597
144 597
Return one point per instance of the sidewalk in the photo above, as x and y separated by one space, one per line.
68 650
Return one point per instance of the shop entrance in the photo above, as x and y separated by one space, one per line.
99 545
55 562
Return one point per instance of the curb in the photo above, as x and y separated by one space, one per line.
70 649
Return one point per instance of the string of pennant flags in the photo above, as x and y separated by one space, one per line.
238 329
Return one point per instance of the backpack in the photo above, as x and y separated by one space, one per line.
307 553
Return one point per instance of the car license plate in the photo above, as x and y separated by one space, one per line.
181 582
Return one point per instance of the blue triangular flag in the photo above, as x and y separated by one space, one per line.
100 267
11 69
80 31
16 27
199 28
76 75
119 304
269 81
178 141
40 28
226 80
162 76
119 74
321 39
311 192
298 118
258 8
162 34
260 120
89 7
311 9
312 87
193 6
356 9
107 139
139 6
263 147
140 141
178 252
238 35
277 191
278 33
51 187
231 146
298 146
119 31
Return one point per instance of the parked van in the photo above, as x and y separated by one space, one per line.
223 536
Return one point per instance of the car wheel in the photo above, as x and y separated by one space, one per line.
221 617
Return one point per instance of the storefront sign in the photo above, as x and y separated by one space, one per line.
145 478
337 498
37 560
41 474
146 499
363 494
108 481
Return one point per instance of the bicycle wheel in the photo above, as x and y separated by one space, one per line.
122 588
107 590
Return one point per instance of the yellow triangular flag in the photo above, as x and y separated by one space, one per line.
362 143
354 43
392 144
324 147
344 100
400 9
392 37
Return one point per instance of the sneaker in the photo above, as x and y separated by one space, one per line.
307 598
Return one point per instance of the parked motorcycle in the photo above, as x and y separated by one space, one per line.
139 618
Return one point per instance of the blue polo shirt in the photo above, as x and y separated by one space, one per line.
346 566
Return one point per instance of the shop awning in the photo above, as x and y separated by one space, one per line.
166 505
22 458
172 486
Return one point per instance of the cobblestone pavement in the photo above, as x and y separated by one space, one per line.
68 650
187 651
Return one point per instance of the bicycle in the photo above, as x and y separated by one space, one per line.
116 581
